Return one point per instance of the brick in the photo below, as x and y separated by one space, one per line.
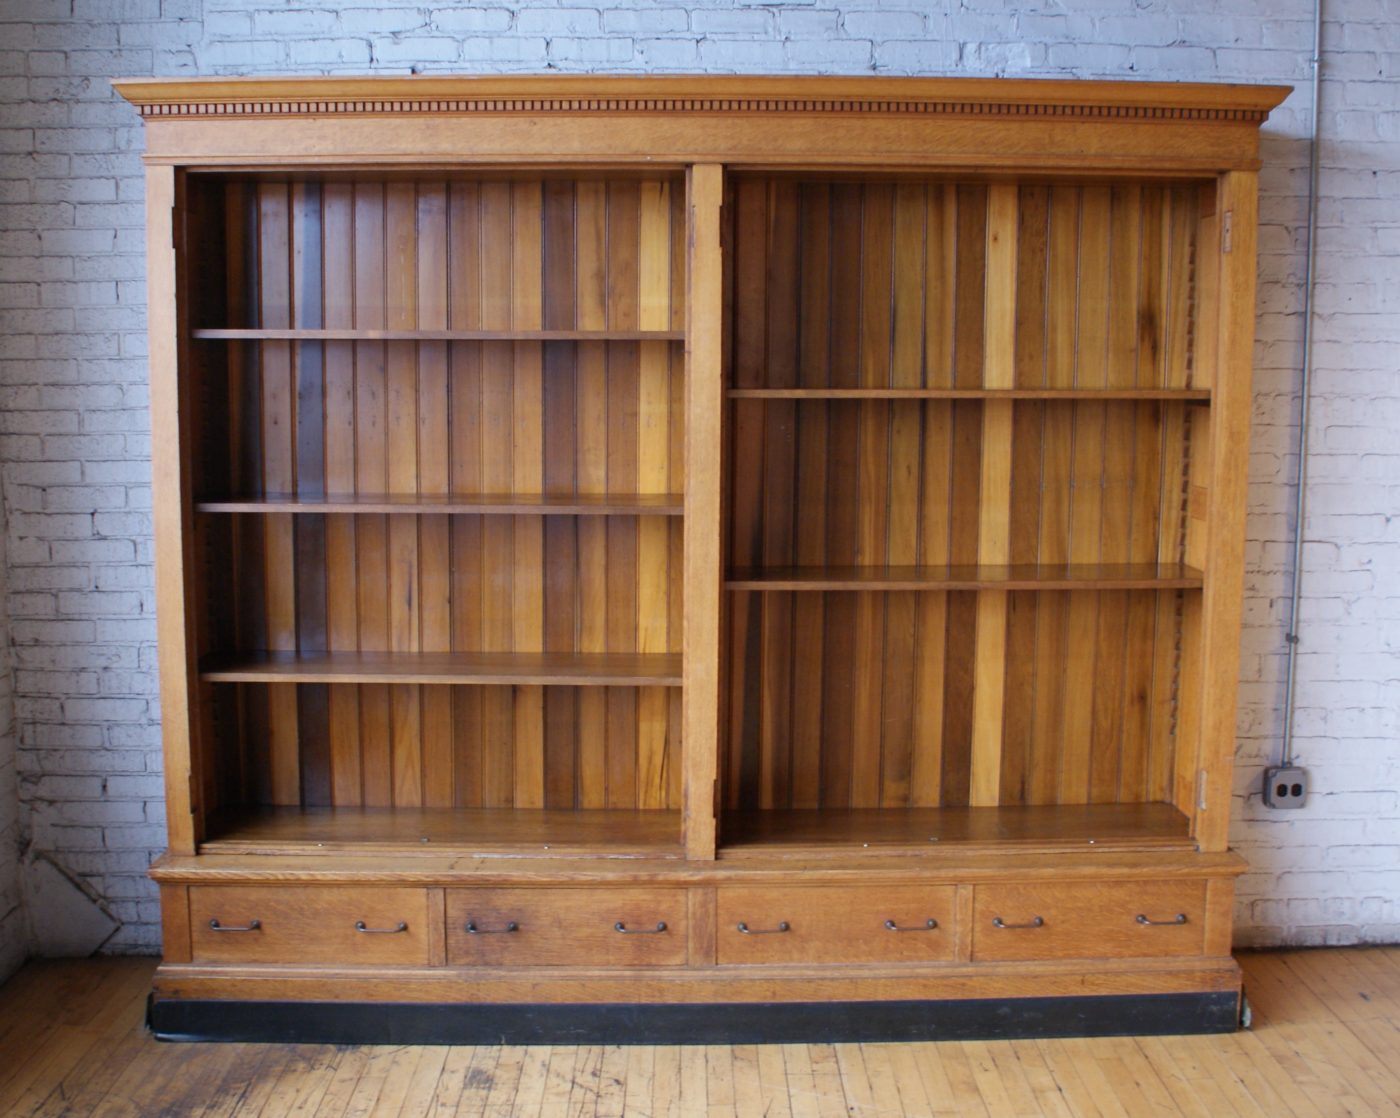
591 50
667 54
558 21
471 19
732 21
883 26
295 23
502 49
914 57
416 49
831 56
647 21
742 55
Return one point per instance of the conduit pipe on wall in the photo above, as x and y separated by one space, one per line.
1305 393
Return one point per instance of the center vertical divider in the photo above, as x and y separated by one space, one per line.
704 402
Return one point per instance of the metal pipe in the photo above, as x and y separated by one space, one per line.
1305 393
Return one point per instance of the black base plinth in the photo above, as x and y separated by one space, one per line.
767 1023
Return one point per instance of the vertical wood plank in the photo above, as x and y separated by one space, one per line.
808 610
1023 609
590 226
653 476
464 262
309 532
940 285
994 528
371 476
561 469
1181 237
873 493
906 423
622 581
1029 496
497 464
527 312
342 613
778 483
592 478
434 478
748 246
935 522
401 430
279 476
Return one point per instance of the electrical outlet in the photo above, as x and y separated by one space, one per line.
1285 786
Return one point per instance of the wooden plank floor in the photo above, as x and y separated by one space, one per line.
1326 1041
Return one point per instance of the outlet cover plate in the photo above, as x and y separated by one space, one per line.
1285 787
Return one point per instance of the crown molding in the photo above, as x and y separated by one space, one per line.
708 96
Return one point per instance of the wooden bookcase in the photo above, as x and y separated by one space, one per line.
641 545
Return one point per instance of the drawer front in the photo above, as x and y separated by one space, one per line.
834 924
317 924
1089 920
567 927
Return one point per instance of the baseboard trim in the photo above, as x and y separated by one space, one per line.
769 1023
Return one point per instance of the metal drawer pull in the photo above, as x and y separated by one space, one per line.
360 927
1036 922
1179 918
251 926
783 926
625 930
473 930
928 926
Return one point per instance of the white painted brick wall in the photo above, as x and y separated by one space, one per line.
74 432
14 926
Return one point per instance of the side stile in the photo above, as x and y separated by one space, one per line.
172 513
1222 598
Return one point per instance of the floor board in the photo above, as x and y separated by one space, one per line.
1325 1042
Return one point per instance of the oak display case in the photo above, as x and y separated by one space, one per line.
631 547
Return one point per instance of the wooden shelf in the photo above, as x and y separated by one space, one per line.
558 669
1101 576
1185 395
306 334
1051 827
547 833
481 504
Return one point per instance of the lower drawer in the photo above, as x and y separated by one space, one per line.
300 924
1126 919
593 927
834 924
